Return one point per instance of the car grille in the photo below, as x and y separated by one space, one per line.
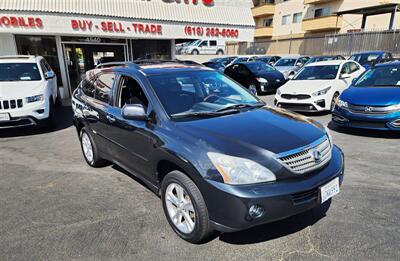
369 110
305 197
295 96
11 104
297 106
308 158
369 124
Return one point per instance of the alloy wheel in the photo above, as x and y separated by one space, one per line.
180 208
87 147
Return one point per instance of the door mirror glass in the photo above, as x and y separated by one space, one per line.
134 112
49 75
345 76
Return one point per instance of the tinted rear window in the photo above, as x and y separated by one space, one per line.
19 72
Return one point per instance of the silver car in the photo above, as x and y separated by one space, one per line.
290 65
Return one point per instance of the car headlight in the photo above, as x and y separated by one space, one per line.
342 104
394 107
35 98
262 80
321 92
238 171
328 133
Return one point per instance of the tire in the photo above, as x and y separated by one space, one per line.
220 52
199 229
333 102
195 52
95 160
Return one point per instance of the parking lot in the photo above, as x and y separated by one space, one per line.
55 207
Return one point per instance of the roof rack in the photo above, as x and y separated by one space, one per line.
154 61
17 57
115 64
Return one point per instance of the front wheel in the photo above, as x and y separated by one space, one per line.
90 151
185 208
195 52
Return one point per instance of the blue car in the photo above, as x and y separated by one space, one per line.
368 59
372 101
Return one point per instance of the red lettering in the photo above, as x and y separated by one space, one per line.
21 21
89 25
39 22
5 20
208 2
74 24
31 22
134 27
159 29
103 26
140 26
14 21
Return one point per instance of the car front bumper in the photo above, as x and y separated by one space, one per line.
313 104
229 205
30 114
346 118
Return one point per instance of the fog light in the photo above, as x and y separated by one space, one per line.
40 111
339 118
320 103
256 211
396 123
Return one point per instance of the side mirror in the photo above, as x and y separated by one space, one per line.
134 112
345 76
299 64
49 75
354 81
291 76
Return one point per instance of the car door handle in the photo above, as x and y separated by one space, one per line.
110 118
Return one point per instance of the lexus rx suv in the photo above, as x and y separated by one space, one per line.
28 92
218 156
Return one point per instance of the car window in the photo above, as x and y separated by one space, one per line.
258 67
345 69
19 72
130 92
213 43
328 72
386 76
243 70
286 62
43 66
104 84
213 91
204 43
353 67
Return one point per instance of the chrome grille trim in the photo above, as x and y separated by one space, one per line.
302 160
376 110
11 104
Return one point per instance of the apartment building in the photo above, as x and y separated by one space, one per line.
291 19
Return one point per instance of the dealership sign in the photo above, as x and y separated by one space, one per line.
195 2
121 28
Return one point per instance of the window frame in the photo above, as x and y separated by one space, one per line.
110 95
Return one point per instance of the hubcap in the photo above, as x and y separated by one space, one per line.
87 147
180 208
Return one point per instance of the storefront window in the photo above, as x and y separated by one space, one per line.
151 49
43 46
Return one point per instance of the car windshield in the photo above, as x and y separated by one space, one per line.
286 62
327 72
259 67
364 58
19 72
386 76
240 59
319 59
195 42
205 93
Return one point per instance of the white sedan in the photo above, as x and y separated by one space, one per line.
317 86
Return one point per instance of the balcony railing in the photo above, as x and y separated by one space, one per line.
263 32
263 10
316 2
325 23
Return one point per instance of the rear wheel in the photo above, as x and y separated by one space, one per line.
195 52
185 208
220 52
90 151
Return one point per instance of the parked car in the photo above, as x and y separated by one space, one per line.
241 59
215 65
224 60
181 46
317 86
325 58
368 59
28 90
205 47
258 77
290 65
372 101
271 60
218 157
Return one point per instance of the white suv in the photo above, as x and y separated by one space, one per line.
28 91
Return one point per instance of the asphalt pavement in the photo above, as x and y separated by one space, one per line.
55 207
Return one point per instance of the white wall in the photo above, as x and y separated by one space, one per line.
7 46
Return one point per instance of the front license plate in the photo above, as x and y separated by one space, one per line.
329 190
4 117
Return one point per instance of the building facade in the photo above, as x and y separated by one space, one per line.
76 35
291 19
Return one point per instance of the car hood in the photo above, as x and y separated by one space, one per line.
380 96
270 76
274 130
284 68
305 87
20 89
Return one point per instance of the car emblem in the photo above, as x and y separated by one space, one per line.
316 154
369 109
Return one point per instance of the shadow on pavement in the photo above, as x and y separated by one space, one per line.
277 229
364 132
63 121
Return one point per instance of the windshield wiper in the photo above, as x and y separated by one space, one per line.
240 106
207 114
